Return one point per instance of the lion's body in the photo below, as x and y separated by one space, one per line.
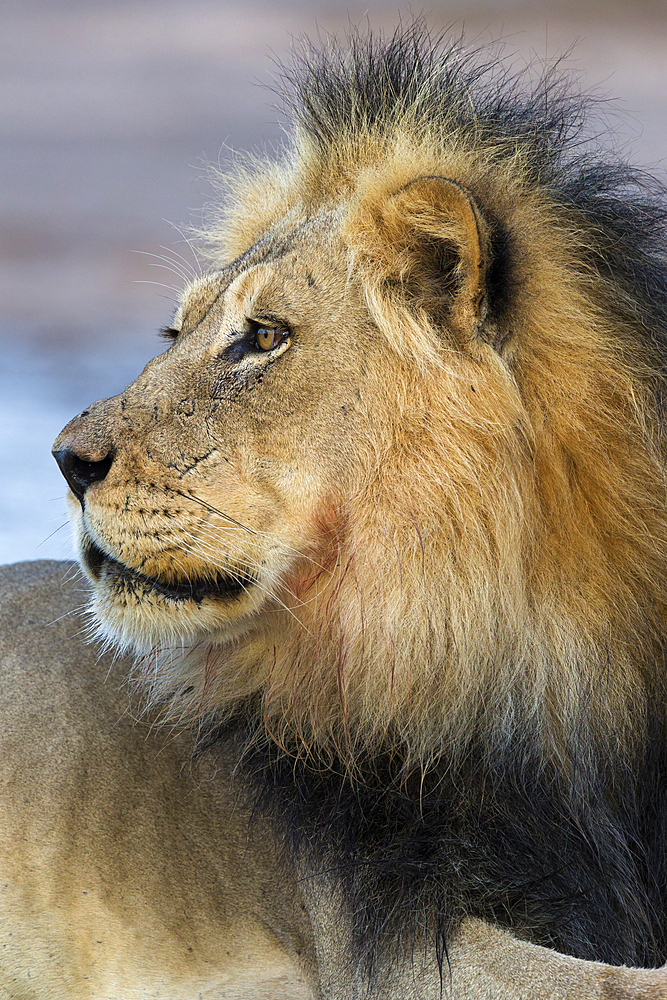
124 871
128 871
390 511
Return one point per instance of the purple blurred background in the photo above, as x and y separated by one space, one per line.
109 112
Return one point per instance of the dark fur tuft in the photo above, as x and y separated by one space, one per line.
581 870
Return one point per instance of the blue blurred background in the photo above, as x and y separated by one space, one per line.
109 112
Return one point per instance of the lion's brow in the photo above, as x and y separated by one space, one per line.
271 246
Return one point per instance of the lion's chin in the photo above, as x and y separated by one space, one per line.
102 568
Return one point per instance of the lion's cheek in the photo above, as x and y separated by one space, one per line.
318 531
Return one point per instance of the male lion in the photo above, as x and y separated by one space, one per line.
388 516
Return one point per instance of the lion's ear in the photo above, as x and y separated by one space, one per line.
438 251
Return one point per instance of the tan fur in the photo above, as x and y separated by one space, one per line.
126 871
418 516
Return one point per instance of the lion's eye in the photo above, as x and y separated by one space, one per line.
266 338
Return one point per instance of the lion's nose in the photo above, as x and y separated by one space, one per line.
80 473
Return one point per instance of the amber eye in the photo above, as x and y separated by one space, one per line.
266 339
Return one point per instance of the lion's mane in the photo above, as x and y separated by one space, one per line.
495 641
465 712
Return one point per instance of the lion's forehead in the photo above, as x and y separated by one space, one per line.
274 277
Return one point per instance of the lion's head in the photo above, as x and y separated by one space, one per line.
399 476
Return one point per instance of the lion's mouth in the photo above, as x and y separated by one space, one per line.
99 564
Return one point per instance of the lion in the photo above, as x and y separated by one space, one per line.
387 518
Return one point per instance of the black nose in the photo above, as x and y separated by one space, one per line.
79 473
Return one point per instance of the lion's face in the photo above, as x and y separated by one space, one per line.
353 486
230 454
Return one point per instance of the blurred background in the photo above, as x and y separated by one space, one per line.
109 112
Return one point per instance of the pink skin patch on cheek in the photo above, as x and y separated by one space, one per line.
322 554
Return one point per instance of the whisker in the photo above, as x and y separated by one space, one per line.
213 532
181 257
70 573
168 264
214 510
205 550
172 268
207 534
189 243
252 531
199 544
225 569
72 611
144 281
54 532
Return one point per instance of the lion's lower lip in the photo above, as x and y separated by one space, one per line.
196 590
